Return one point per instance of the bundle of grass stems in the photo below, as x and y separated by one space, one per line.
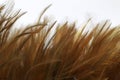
69 54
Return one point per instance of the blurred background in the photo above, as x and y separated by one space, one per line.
69 10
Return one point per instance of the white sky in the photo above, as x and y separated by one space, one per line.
72 10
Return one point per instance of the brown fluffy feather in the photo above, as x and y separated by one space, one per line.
69 54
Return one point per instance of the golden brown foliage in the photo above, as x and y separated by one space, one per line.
70 54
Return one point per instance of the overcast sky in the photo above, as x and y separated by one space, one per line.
72 10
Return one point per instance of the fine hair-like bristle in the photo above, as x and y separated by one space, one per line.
70 54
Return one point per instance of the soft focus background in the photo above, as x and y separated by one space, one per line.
71 10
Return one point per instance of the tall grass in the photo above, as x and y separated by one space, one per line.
69 54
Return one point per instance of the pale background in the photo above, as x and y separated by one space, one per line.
72 10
